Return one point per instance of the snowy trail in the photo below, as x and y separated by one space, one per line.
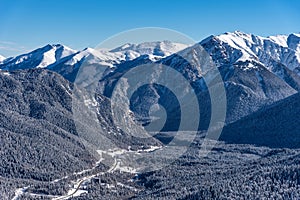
19 192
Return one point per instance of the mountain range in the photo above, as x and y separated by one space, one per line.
257 71
260 75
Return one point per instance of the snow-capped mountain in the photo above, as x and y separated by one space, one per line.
248 47
66 61
279 54
256 70
39 58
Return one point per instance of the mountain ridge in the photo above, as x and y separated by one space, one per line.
271 62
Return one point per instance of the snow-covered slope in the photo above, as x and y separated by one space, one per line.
2 58
161 49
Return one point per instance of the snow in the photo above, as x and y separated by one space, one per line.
240 41
154 58
19 192
51 55
245 56
66 51
6 73
90 102
119 154
38 58
242 47
239 47
21 59
115 152
152 148
297 53
127 186
103 57
157 48
127 169
48 59
280 40
125 46
76 58
77 193
55 54
236 40
110 58
2 58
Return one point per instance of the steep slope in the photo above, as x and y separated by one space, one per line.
276 126
38 136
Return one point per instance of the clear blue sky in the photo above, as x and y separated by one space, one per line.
27 24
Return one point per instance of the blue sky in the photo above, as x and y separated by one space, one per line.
29 24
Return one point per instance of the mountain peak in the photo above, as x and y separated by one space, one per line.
47 47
